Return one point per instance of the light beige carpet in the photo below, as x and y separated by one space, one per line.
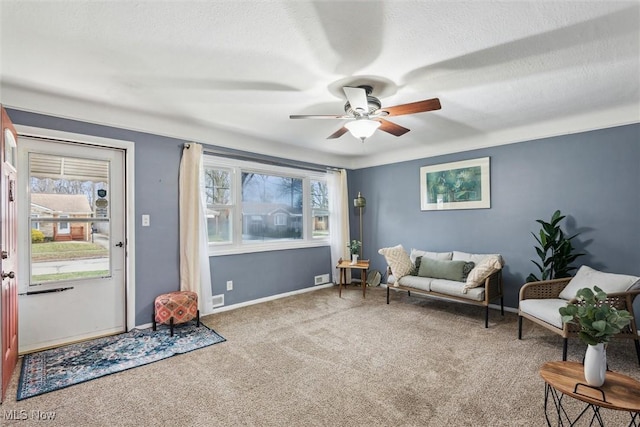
317 360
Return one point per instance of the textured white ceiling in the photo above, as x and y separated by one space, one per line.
230 73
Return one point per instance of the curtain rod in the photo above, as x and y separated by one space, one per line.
267 160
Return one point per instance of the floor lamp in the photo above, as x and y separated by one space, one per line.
360 202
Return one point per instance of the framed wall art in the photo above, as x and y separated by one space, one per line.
456 185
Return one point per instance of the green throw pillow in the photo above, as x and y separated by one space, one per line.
449 270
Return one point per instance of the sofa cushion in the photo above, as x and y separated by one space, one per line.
453 288
398 260
422 283
450 270
485 268
587 277
544 309
477 258
443 256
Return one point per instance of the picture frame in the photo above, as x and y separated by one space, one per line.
456 185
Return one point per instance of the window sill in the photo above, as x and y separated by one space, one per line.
265 247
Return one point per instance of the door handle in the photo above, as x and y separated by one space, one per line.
119 244
10 275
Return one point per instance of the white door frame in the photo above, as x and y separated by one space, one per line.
130 223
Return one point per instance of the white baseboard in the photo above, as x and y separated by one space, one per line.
252 302
269 298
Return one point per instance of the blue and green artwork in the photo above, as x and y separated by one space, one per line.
454 185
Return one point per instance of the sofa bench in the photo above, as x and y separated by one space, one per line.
454 276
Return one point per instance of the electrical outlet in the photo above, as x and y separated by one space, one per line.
146 220
229 285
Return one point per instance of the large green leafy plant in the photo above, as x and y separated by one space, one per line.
556 252
598 321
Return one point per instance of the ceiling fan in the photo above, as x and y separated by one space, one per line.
366 114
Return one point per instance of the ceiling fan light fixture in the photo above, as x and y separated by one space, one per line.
362 128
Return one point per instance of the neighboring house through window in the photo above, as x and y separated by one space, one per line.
257 207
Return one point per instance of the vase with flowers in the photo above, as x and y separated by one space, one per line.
354 248
598 323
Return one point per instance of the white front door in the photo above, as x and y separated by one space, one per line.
73 282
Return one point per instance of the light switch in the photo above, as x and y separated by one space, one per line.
145 220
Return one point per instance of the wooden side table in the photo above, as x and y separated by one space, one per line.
343 266
619 392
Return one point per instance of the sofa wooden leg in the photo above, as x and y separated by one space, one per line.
387 294
637 343
198 318
519 327
486 317
502 305
408 293
171 325
154 321
565 343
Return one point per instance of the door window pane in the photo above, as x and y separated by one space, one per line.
69 197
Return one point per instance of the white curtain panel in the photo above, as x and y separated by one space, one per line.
195 274
339 220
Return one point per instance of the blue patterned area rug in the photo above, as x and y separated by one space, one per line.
62 367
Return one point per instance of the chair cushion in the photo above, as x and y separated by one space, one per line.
544 309
398 260
587 277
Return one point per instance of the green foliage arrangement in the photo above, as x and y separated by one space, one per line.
354 246
556 252
37 236
598 321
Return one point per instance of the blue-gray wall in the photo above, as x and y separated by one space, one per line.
157 160
592 177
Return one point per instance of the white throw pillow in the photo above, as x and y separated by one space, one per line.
482 270
398 260
587 277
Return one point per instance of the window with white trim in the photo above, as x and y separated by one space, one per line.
63 227
35 225
256 207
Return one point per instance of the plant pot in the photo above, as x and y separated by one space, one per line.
354 259
595 364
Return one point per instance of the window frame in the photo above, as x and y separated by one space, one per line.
66 230
236 244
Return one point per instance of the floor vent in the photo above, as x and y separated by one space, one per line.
321 279
217 301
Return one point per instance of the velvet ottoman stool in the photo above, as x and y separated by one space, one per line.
175 308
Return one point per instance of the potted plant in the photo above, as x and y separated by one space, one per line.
556 252
354 248
598 322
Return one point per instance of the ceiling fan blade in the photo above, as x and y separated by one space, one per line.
413 107
392 128
338 133
357 97
311 116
